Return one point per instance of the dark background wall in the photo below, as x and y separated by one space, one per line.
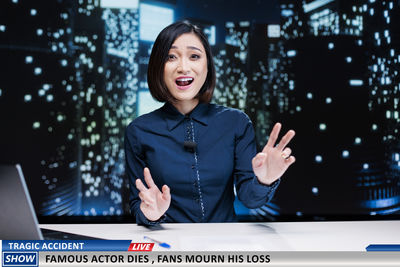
73 75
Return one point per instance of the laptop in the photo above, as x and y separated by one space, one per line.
17 215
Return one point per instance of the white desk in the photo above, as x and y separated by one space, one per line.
274 236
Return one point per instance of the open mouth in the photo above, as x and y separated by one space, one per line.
183 81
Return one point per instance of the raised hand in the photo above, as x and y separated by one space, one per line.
154 202
270 164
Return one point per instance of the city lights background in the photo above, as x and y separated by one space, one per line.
73 75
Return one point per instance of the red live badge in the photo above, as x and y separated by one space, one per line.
141 247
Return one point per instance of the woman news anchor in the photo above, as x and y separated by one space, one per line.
185 159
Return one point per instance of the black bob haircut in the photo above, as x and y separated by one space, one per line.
159 56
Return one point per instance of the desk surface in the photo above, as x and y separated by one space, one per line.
272 236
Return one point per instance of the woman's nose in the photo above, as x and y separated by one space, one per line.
183 66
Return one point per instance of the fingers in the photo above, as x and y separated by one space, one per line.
274 135
286 153
258 160
148 179
285 140
166 192
290 160
140 186
146 198
149 198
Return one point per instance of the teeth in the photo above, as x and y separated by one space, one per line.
184 79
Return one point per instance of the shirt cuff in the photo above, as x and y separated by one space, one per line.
142 220
272 187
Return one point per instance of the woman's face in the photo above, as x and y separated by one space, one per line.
186 68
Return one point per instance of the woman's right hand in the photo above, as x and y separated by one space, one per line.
154 202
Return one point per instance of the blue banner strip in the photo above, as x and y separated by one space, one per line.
382 247
66 245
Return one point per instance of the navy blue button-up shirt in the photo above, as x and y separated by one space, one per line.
201 175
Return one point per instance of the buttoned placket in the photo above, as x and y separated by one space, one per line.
190 136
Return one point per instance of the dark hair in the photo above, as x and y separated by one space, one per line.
159 56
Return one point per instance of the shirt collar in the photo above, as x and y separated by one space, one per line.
173 117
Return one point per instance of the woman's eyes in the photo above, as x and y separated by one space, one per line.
193 57
171 57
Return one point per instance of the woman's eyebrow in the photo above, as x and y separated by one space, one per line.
194 48
188 47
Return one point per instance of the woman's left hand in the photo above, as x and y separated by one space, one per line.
270 164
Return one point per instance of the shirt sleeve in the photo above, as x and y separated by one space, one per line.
249 190
134 169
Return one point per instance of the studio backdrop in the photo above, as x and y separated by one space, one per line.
73 76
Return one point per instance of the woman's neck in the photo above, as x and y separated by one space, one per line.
185 107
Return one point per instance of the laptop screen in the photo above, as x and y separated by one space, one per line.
17 217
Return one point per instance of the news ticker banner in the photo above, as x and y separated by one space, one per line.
33 253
